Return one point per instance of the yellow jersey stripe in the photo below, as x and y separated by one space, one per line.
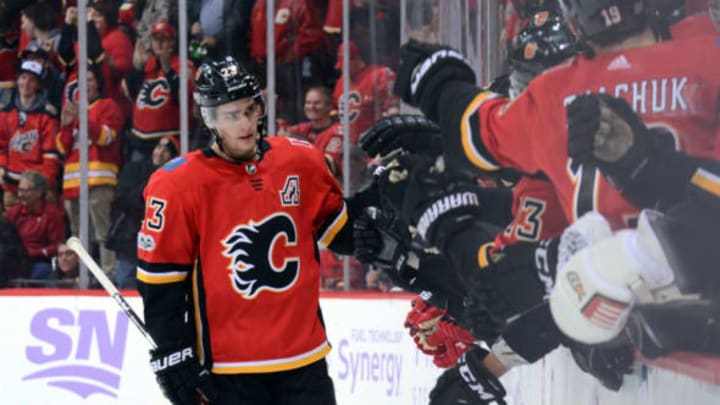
471 151
160 278
329 235
706 181
484 254
269 366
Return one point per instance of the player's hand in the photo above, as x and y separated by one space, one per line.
469 383
411 133
608 364
379 240
424 69
182 379
439 204
604 131
436 334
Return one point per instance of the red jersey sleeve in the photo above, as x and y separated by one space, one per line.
333 17
166 242
332 217
105 127
166 256
51 163
493 132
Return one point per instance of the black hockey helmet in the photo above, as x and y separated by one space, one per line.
223 81
606 21
527 8
543 43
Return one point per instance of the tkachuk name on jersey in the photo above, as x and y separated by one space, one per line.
447 203
649 96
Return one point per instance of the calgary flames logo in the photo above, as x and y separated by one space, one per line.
250 247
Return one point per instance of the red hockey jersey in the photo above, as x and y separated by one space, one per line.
155 114
369 97
30 146
105 121
246 235
537 213
672 84
298 31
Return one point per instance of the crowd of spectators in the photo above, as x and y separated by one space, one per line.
134 111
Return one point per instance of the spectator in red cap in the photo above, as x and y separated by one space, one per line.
129 208
370 96
153 86
27 132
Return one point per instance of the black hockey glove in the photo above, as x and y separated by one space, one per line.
605 132
182 379
384 243
411 133
438 203
469 382
516 279
424 68
608 364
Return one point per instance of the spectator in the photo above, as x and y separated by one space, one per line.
51 81
105 120
129 209
14 262
41 225
318 108
370 97
153 85
27 132
38 23
153 11
9 43
222 27
301 49
117 46
67 265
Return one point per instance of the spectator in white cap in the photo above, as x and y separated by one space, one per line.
29 131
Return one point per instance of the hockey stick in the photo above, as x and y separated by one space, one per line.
75 244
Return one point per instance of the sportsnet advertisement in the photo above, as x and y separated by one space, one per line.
69 350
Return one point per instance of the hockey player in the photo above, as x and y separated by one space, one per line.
674 252
228 268
483 131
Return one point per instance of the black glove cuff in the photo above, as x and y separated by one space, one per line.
660 179
445 217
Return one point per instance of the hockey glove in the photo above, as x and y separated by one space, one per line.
607 364
383 242
411 133
605 132
182 379
516 279
424 69
469 382
437 203
436 334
